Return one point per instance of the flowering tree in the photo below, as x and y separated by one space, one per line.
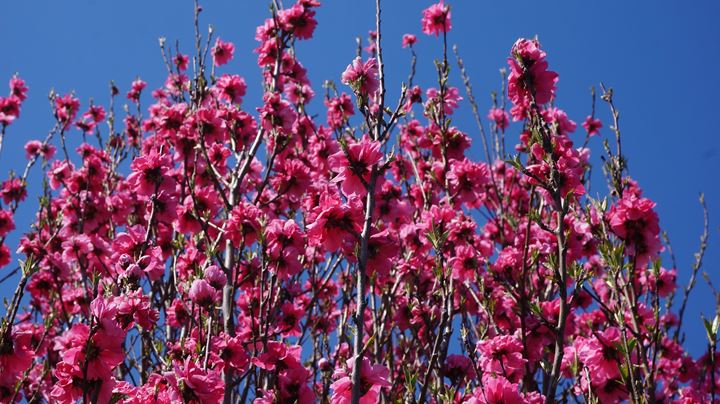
280 257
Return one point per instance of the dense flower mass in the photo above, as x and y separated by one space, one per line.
530 81
634 220
333 245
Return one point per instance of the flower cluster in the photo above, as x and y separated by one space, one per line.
202 252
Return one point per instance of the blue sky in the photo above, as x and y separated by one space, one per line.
659 56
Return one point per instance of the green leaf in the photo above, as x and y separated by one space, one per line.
709 330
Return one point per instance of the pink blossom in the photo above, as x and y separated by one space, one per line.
634 220
529 79
601 356
449 100
66 107
205 385
503 356
276 113
373 377
13 190
458 368
4 255
95 113
284 246
498 390
354 168
467 180
231 88
32 148
563 125
362 77
18 88
9 110
215 276
293 386
592 126
150 174
222 52
436 19
7 224
339 110
500 118
408 40
300 20
336 224
136 89
243 224
181 61
202 293
299 94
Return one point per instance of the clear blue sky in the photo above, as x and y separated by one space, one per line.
661 58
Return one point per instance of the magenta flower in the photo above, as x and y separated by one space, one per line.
458 368
136 89
95 113
18 88
502 355
289 322
339 110
277 354
466 263
563 125
205 385
633 219
497 390
500 118
243 224
300 20
293 386
436 19
4 255
202 293
16 355
408 40
76 247
592 126
467 180
222 52
285 242
32 148
449 101
354 168
373 379
181 61
66 107
7 224
362 77
277 114
336 224
529 79
215 276
600 355
13 190
150 174
231 88
9 110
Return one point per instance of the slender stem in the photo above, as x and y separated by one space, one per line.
696 267
367 228
562 316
